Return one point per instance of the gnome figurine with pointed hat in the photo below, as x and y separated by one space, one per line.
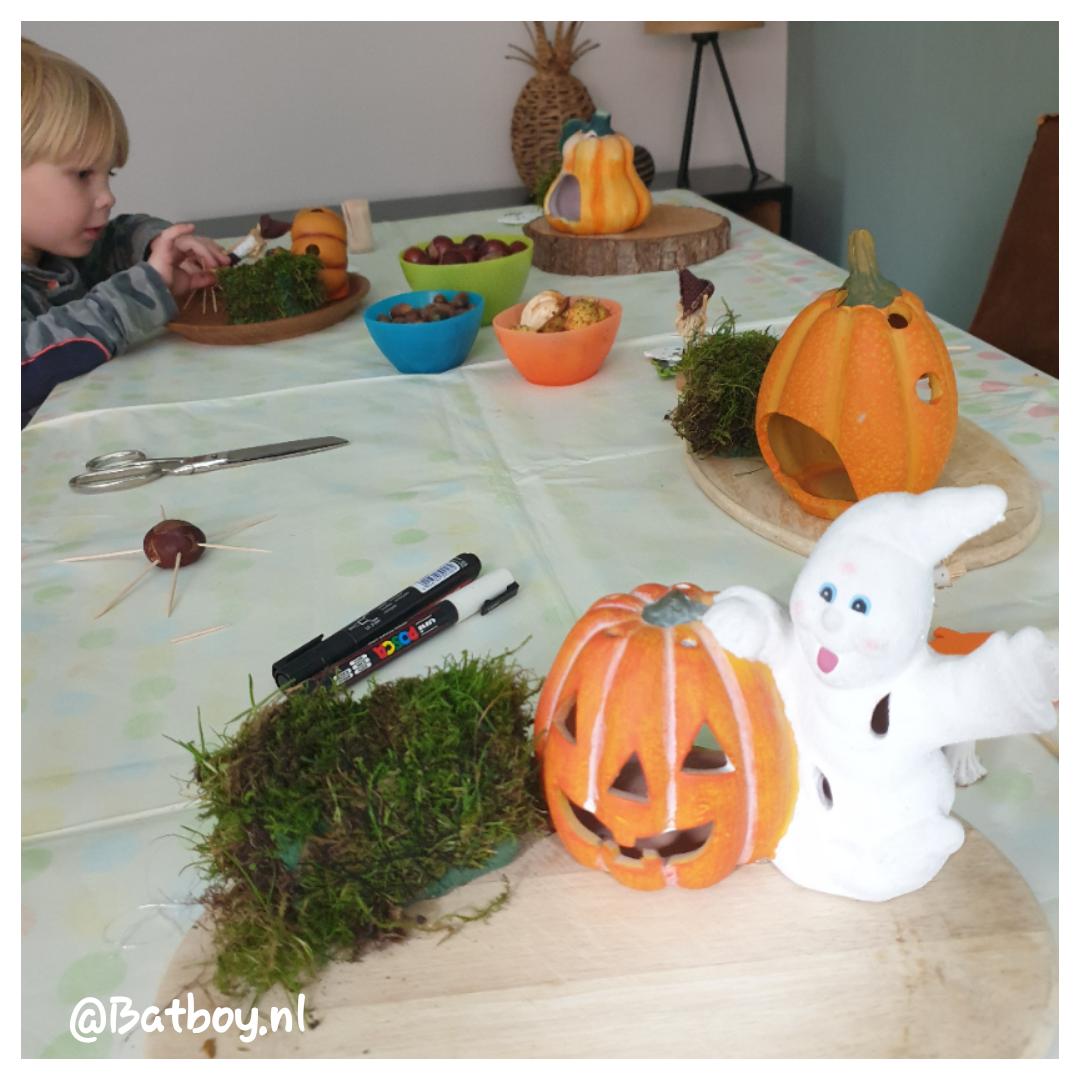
870 703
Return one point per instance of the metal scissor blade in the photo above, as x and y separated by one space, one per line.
271 451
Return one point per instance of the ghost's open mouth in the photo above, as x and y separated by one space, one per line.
666 845
827 660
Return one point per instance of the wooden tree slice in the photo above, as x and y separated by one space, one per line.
212 327
576 965
745 489
670 237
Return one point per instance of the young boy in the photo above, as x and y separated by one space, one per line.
91 287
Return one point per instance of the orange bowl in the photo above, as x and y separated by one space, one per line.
562 358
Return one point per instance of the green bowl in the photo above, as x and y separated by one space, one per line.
499 281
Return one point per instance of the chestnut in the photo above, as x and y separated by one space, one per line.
516 246
415 255
173 537
467 253
495 247
439 244
448 258
473 240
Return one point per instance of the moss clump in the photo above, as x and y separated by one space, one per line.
329 815
274 287
723 371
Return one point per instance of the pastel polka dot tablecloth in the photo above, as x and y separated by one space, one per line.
579 491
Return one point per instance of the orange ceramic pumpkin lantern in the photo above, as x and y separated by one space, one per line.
598 190
859 396
665 760
320 232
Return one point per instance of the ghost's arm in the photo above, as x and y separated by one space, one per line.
1005 687
748 624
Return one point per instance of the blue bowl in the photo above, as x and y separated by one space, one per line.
425 348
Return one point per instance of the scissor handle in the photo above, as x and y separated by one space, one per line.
131 474
117 457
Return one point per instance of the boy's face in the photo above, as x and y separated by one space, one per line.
65 206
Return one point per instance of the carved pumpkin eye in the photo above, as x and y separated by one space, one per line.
568 723
827 592
704 757
897 321
860 604
630 783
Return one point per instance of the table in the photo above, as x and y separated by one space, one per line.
547 482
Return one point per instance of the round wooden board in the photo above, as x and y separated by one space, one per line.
210 327
745 489
670 237
576 965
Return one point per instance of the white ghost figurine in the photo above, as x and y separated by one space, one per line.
871 704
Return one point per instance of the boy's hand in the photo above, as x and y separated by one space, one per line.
184 260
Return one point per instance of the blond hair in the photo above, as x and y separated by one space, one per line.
67 113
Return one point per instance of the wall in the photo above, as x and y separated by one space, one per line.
918 132
227 118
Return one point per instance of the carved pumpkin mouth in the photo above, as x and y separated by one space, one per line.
666 845
566 199
809 459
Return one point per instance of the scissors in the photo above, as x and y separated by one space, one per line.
130 468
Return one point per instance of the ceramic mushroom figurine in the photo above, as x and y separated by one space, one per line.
870 703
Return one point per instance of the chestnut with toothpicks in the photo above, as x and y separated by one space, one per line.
170 538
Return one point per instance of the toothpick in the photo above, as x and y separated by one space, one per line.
164 516
229 547
249 525
959 348
203 291
187 302
198 633
112 603
172 591
213 298
103 555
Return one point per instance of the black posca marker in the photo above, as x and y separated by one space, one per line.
319 654
481 596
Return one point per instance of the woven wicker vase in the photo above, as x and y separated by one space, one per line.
545 103
550 98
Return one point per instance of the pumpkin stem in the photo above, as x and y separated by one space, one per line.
865 284
673 608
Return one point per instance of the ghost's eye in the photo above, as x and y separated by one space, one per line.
827 592
860 604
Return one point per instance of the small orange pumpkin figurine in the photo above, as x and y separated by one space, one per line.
319 231
598 190
665 760
859 396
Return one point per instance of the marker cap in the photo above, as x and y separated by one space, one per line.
470 599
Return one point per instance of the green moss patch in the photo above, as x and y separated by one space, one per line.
723 370
276 286
326 815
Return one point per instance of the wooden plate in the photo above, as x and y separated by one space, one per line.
576 965
670 237
745 489
211 328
